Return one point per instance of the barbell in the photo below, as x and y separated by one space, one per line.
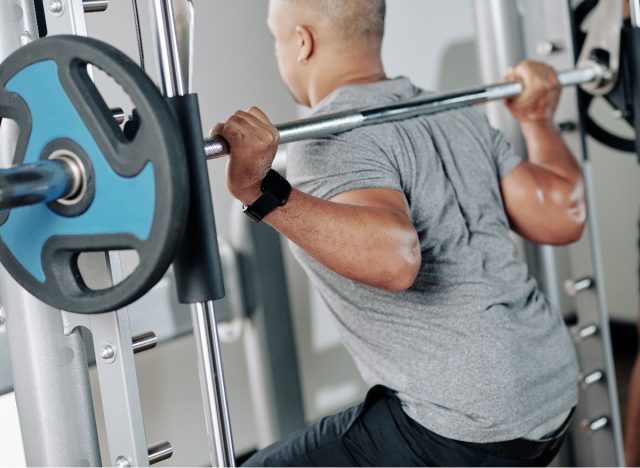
53 182
78 184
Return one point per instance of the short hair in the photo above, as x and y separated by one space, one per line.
352 18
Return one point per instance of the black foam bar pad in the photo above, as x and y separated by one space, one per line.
197 265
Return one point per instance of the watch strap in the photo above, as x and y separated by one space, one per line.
275 193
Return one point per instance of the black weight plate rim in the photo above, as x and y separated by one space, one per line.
63 289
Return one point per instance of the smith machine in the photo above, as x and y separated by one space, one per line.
84 183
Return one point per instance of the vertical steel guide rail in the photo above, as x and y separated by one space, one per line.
203 314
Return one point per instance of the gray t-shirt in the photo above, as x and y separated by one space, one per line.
473 348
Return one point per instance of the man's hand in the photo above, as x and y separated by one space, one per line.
253 141
539 100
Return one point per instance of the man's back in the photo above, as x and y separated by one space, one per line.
473 348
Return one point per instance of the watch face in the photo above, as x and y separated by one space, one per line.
277 186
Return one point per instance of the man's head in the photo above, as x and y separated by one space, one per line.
315 38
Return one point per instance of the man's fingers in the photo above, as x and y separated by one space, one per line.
257 112
260 120
217 128
243 127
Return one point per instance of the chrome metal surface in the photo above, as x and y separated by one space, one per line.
212 385
95 6
185 31
573 287
159 451
587 380
582 333
78 181
144 342
108 353
118 115
595 425
205 330
318 127
603 35
173 83
39 182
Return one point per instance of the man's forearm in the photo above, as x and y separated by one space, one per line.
547 149
369 245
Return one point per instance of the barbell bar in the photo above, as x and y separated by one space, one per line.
331 124
58 181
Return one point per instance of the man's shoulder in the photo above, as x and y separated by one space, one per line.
358 96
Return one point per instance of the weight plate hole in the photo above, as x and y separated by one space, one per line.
95 272
8 126
118 99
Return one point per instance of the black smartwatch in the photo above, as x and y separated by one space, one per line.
275 192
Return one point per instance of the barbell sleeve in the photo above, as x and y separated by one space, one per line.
40 182
323 126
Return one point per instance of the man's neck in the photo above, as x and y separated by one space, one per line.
346 71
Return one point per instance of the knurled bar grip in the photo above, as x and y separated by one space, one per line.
331 124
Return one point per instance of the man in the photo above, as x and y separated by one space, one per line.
404 229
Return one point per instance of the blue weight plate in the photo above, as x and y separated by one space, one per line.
138 197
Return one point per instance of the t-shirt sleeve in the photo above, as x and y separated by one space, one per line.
327 167
505 157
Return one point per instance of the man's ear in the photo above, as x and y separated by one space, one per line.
306 43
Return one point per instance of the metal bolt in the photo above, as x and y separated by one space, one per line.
587 380
144 342
108 353
56 7
547 48
572 288
581 334
123 462
595 424
159 451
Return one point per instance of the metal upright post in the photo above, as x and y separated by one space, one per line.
175 86
50 375
541 29
501 45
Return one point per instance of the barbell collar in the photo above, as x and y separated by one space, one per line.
323 126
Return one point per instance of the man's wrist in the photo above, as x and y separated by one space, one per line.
248 195
537 124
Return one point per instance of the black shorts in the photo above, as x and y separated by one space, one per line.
379 433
